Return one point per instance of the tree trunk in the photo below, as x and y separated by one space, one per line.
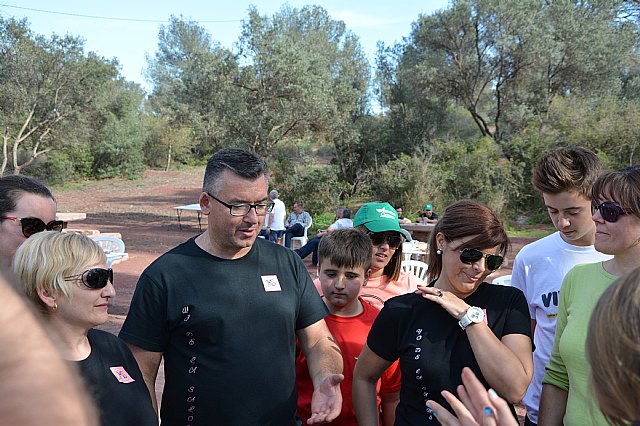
168 159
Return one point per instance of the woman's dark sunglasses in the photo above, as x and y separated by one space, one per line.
609 210
471 255
378 238
94 279
33 225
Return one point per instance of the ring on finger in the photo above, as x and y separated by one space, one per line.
439 293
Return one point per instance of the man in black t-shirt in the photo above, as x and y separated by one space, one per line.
224 311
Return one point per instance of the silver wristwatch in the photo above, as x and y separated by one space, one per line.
473 315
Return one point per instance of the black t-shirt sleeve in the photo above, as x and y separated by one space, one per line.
383 336
518 320
312 308
146 322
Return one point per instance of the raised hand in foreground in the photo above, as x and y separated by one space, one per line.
476 405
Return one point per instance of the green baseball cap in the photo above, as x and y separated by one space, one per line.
428 207
379 217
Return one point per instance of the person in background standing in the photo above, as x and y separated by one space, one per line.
275 219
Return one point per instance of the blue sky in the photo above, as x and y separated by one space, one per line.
372 21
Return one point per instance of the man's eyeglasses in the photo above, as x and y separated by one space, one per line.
609 210
378 238
471 255
33 225
244 209
94 279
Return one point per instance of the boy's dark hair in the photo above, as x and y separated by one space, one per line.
12 187
346 248
567 169
244 163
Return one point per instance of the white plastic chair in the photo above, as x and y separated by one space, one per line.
503 280
415 267
302 240
113 247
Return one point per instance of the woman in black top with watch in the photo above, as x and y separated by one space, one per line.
457 321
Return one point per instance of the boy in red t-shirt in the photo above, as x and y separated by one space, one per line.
343 268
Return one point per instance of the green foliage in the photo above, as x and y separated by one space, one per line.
62 166
528 232
119 150
323 221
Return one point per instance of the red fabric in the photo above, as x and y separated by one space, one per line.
351 335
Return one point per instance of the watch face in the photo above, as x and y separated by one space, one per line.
475 314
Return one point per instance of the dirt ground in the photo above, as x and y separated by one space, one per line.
142 211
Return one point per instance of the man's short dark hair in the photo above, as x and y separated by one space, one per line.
346 213
244 163
567 169
12 187
346 248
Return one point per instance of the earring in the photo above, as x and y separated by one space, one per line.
438 250
55 306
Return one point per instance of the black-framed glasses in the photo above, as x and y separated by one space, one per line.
244 209
471 255
94 279
392 238
609 210
33 225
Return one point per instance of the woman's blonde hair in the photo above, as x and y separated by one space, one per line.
613 350
45 258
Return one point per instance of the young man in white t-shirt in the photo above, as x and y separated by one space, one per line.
564 178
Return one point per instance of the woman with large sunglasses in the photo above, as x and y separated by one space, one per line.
26 207
457 321
65 277
380 222
566 397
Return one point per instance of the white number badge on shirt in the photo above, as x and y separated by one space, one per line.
270 283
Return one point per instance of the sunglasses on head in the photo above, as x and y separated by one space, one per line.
378 238
33 225
471 255
609 210
94 279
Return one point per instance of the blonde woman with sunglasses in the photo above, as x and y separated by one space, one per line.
456 321
65 277
566 398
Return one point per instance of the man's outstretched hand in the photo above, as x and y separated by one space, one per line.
326 402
